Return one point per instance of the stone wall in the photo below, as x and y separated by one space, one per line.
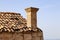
11 36
21 36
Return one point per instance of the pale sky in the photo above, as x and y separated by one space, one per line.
48 16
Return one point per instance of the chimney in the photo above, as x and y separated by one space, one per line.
32 17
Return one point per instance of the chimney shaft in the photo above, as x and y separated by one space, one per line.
31 17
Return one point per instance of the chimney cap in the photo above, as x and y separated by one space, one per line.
32 9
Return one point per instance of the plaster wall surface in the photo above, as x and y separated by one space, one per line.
21 36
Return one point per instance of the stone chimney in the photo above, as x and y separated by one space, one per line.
32 17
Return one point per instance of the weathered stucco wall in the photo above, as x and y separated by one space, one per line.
21 36
11 36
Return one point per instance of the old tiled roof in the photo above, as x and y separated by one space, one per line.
13 22
10 21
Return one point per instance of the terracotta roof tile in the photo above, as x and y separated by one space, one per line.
13 22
